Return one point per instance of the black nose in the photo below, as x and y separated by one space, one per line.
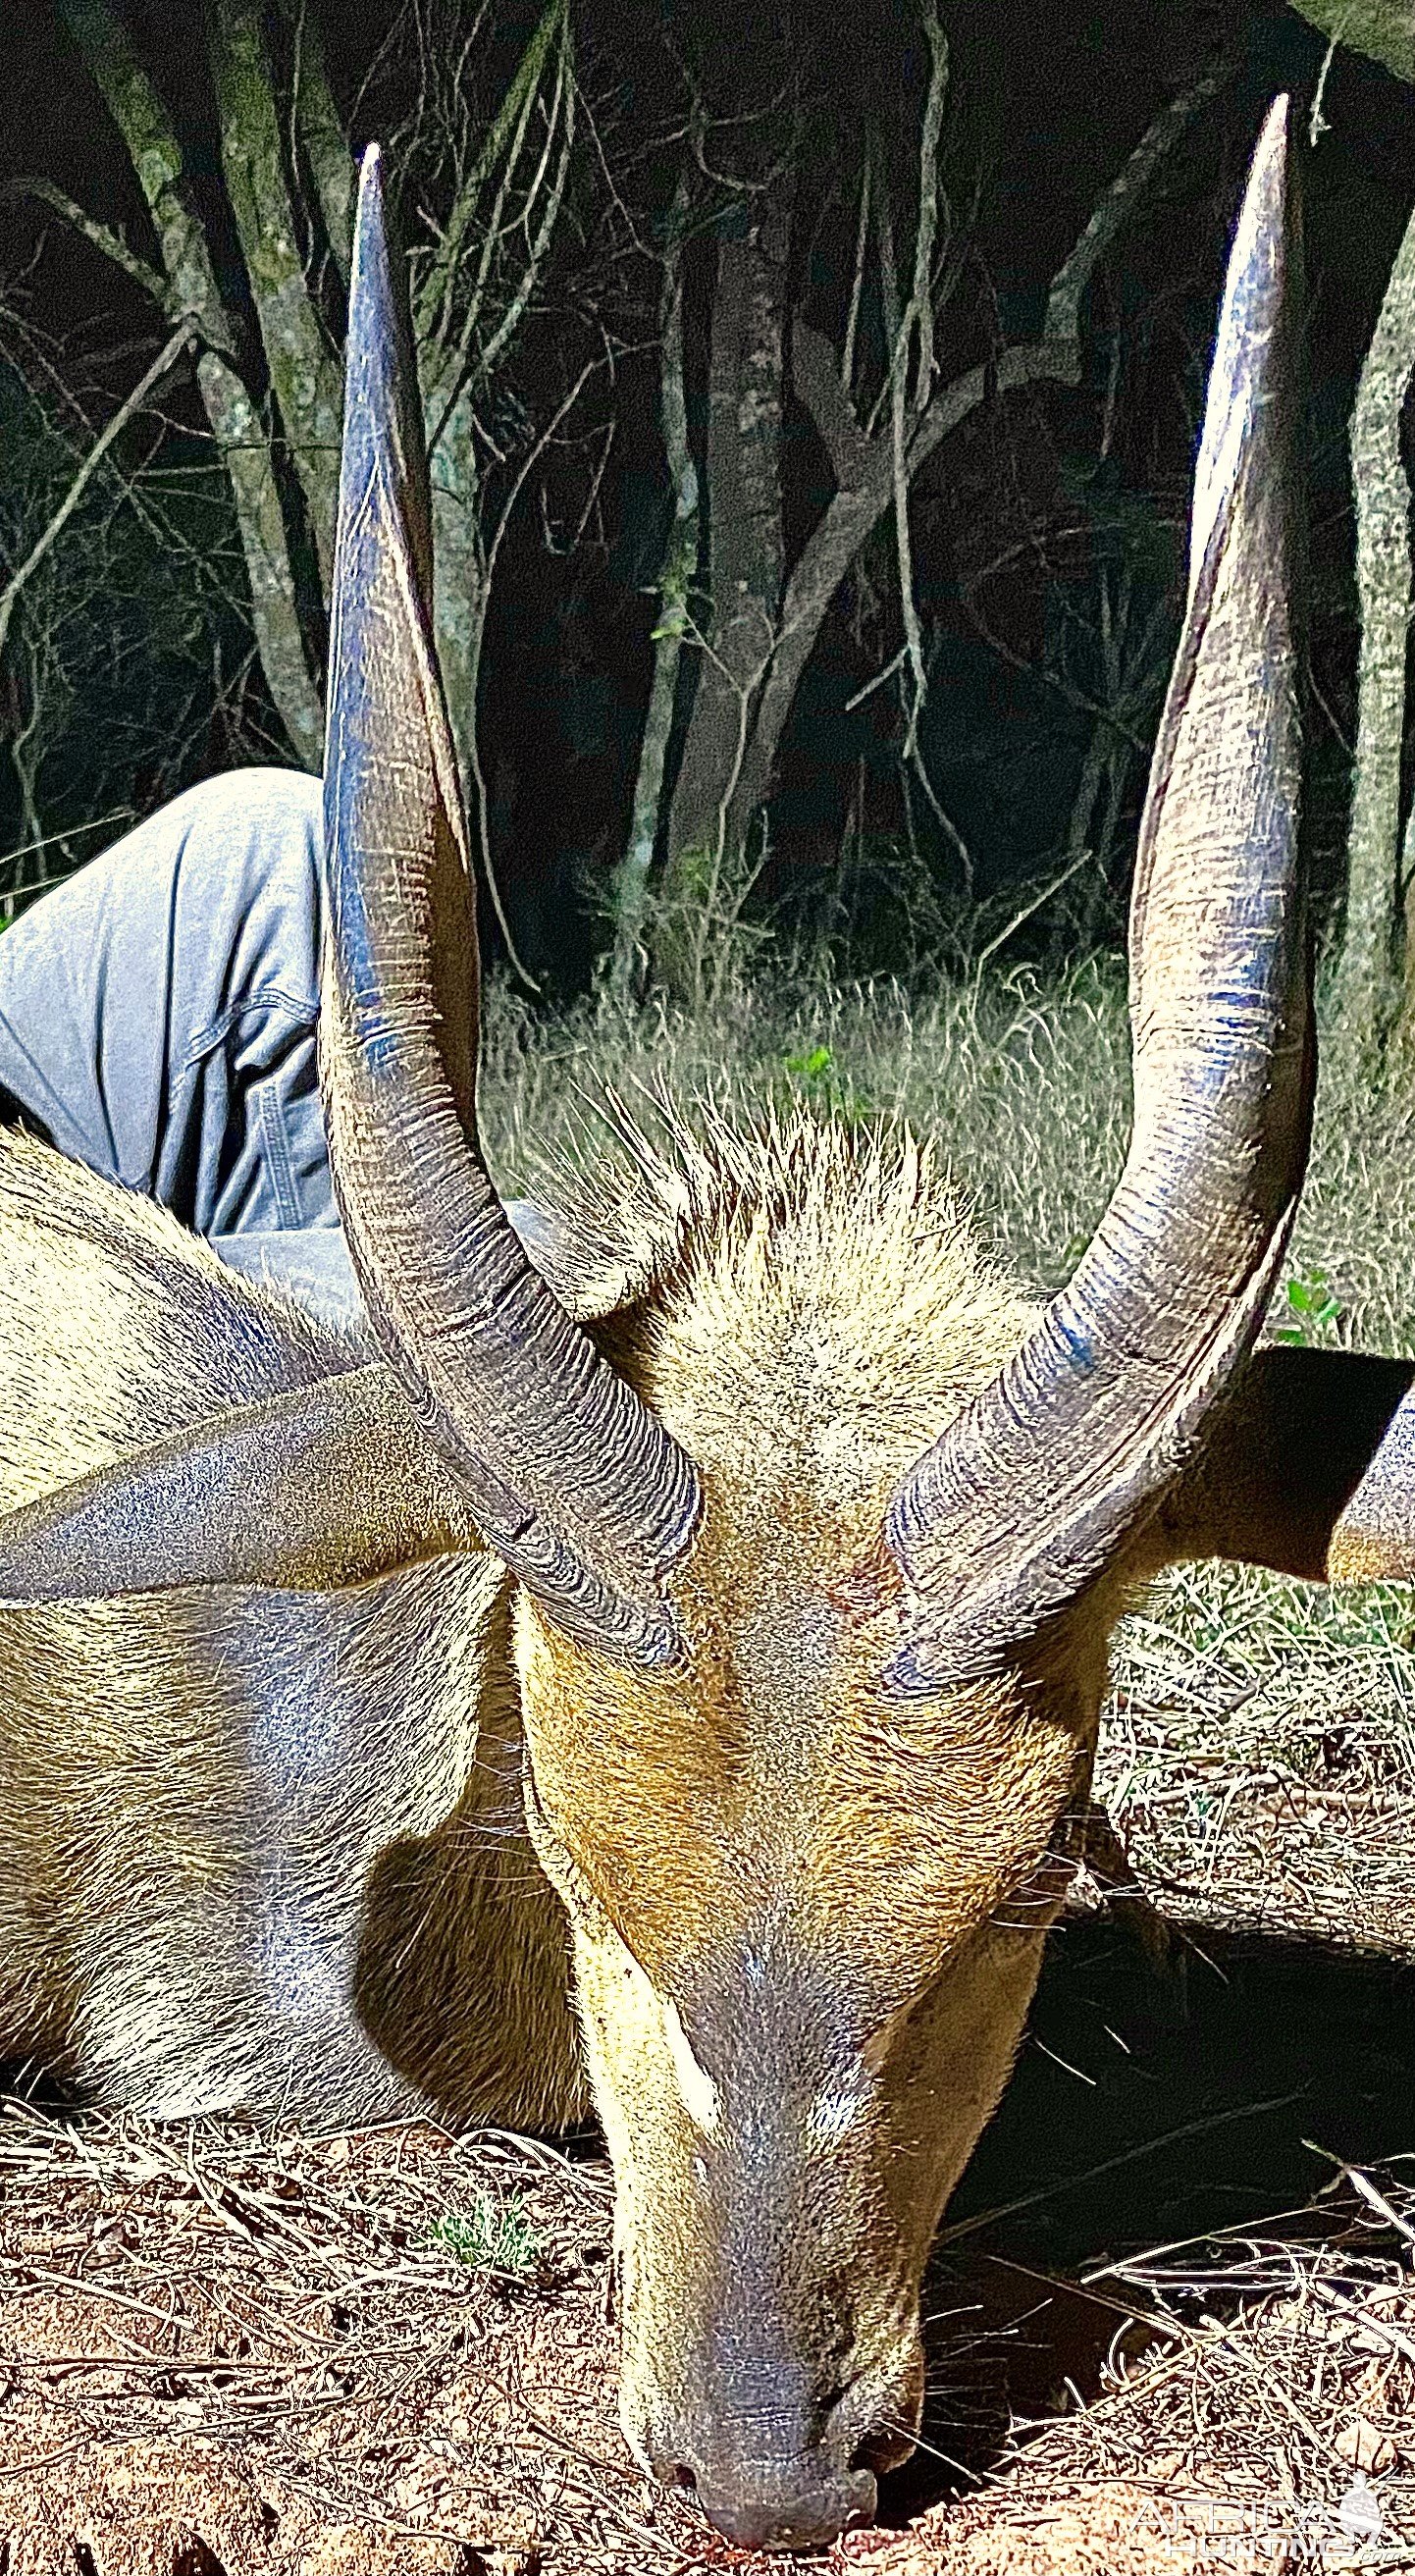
797 2504
774 2463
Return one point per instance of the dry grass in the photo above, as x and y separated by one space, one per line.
1024 1087
1274 2425
220 2351
1258 1755
1023 1090
227 2351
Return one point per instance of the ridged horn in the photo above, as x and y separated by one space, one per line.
1031 1492
568 1475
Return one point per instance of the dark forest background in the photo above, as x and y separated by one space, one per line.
813 399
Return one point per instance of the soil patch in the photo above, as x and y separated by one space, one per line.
225 2352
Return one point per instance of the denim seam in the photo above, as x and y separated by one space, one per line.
277 1147
302 1011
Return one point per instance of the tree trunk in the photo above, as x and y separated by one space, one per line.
760 642
1367 995
245 448
476 287
242 437
676 577
745 401
460 582
322 137
850 518
305 373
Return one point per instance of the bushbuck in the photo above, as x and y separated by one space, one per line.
662 1675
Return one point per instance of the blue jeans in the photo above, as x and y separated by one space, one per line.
158 1014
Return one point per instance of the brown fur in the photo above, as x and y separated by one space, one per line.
765 1814
270 1847
244 1836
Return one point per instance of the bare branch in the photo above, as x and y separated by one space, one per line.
243 442
1063 313
857 282
1033 905
679 569
103 236
321 132
178 340
914 759
820 388
897 329
433 303
857 506
451 375
193 291
156 156
921 299
535 258
304 370
878 681
532 458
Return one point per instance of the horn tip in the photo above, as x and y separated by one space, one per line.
380 367
369 220
1266 209
1267 194
1276 125
1253 343
369 212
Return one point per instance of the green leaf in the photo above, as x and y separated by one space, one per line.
1311 1305
491 2236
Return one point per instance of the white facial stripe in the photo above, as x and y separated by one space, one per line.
832 2115
701 2099
653 2015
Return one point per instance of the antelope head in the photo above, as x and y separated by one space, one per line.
808 1836
817 1538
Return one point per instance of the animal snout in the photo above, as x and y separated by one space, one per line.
801 2503
763 2489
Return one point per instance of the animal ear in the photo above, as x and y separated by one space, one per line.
307 1492
1310 1470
